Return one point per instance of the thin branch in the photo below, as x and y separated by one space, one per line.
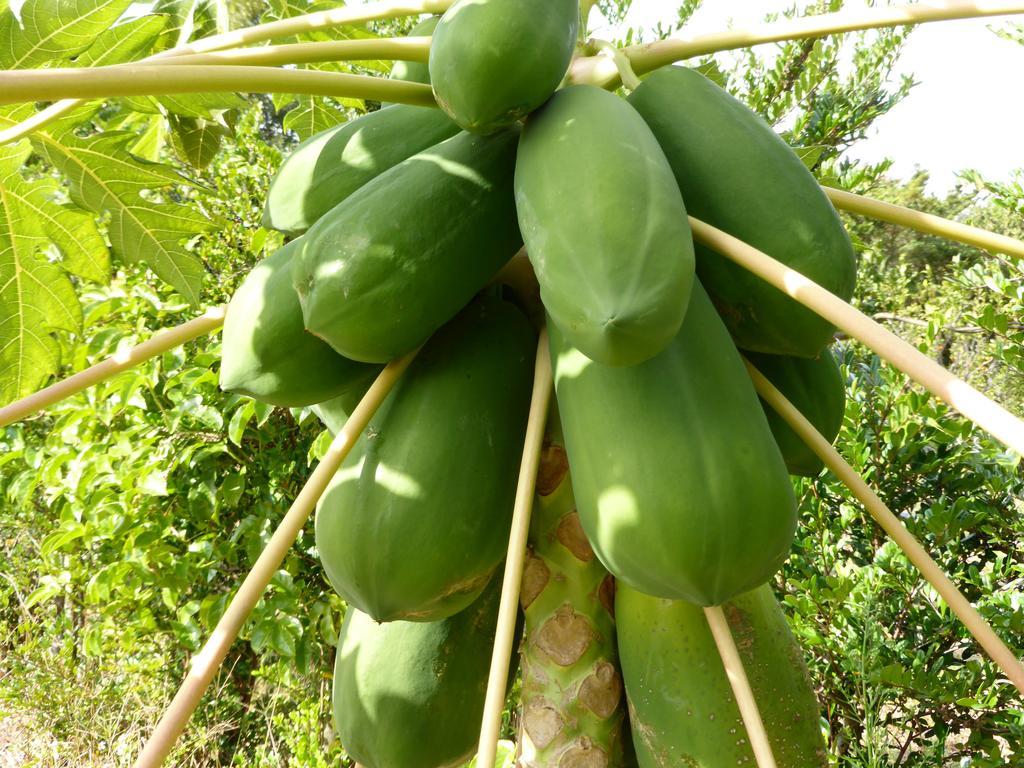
987 414
388 49
966 329
207 662
599 70
169 338
148 80
497 680
346 15
740 686
297 25
976 625
927 223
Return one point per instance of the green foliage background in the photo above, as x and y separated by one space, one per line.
131 512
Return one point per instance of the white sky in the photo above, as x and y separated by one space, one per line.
967 110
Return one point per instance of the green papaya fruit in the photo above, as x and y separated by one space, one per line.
266 351
401 256
492 62
415 71
411 694
328 167
736 174
679 485
681 707
817 388
417 517
604 225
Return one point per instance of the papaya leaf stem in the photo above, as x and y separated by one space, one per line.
385 49
497 680
740 686
599 70
980 629
927 223
336 17
622 64
148 80
161 342
984 412
206 663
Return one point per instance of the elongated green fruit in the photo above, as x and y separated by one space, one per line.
417 517
328 167
411 694
680 487
400 257
681 706
573 711
605 226
817 388
416 71
736 174
492 62
266 351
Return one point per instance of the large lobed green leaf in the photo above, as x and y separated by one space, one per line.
105 178
51 30
36 296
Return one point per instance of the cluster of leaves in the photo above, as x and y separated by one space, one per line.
902 681
119 196
132 512
963 304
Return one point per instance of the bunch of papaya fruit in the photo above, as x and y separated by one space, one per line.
665 482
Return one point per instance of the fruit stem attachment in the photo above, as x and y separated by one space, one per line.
385 49
740 686
205 665
646 58
927 223
975 623
336 17
622 64
148 80
162 341
983 411
497 681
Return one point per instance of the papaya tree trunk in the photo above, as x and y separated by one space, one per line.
573 708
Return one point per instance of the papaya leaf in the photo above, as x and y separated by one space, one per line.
311 116
36 296
188 20
201 105
148 105
105 178
125 42
195 105
54 30
73 231
196 140
129 41
21 149
152 140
